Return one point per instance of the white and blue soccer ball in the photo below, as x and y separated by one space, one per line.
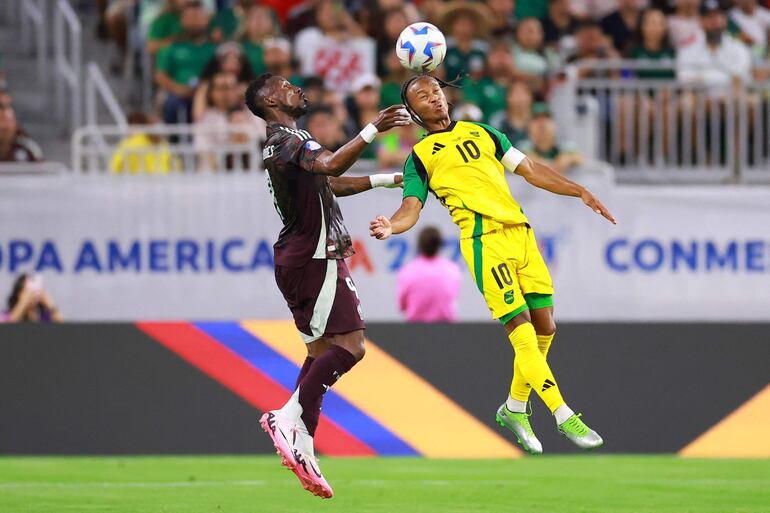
421 47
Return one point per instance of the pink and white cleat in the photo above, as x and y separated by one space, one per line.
280 431
295 446
306 468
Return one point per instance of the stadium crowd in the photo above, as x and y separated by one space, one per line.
504 55
15 144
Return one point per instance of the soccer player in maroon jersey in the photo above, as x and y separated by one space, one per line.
310 269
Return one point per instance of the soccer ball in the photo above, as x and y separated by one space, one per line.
421 47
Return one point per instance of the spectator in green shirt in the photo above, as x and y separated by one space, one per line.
531 9
489 91
225 23
179 65
652 43
396 75
542 146
167 26
259 26
514 120
467 26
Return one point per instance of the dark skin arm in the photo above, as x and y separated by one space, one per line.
350 185
544 177
336 163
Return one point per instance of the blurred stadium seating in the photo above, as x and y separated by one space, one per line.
620 93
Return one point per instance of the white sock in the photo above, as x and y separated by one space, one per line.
304 442
563 413
292 410
516 406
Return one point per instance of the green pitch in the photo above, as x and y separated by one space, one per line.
576 484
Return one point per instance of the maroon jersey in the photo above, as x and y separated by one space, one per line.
312 221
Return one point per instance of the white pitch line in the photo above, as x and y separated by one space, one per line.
179 484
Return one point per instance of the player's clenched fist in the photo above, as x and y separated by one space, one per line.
395 115
380 228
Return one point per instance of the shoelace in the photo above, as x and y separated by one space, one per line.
576 425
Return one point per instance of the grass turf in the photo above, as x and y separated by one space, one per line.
574 484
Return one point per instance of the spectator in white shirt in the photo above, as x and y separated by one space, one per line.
684 25
720 59
592 9
337 50
753 22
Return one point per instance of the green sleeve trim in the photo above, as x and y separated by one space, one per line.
502 143
415 178
535 301
505 319
478 253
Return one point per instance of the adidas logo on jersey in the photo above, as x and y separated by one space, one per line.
437 147
302 134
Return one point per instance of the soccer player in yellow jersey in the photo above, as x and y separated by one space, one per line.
463 164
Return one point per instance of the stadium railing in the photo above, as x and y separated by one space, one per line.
31 168
138 58
68 65
235 148
662 130
96 89
33 28
754 133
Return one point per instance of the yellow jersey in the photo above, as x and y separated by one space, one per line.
139 154
461 166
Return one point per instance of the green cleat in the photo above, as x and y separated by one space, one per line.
579 434
518 423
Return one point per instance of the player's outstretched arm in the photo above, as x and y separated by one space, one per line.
546 178
404 218
350 185
336 163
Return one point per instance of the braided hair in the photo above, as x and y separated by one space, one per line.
404 88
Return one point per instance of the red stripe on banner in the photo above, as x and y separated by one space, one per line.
246 381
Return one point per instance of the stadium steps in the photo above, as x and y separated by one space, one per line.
33 100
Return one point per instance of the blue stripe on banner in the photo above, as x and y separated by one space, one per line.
347 416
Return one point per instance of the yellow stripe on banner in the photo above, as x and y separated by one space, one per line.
399 399
745 433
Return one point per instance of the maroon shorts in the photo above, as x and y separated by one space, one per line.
322 298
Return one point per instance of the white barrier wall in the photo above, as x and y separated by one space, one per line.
191 247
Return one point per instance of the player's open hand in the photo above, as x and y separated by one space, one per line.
395 115
594 204
380 228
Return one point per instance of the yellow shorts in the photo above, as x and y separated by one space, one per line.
509 270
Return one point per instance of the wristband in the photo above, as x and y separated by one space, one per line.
369 133
382 180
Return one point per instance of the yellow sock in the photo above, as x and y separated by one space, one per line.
520 389
544 344
534 369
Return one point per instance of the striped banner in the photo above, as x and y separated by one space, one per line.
380 408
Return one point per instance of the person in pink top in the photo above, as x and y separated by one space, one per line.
428 287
